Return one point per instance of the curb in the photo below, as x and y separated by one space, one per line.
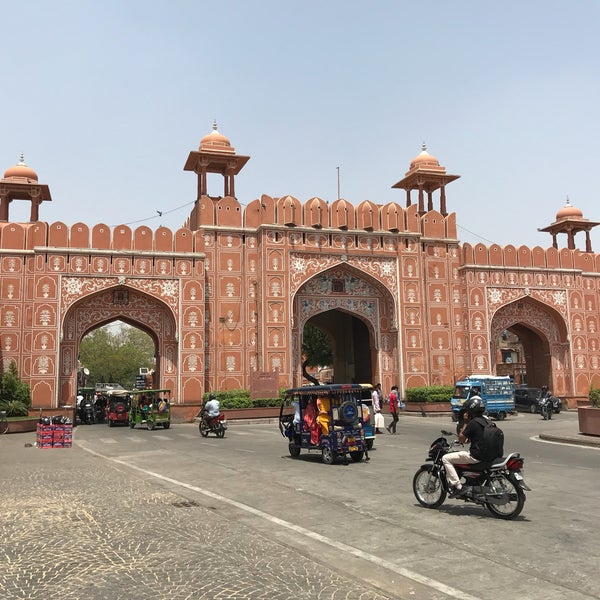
579 440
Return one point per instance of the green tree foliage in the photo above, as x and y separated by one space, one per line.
15 396
316 350
115 354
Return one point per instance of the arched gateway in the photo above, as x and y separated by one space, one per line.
137 307
228 295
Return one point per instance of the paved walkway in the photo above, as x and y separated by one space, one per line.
74 526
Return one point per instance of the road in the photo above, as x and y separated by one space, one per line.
344 531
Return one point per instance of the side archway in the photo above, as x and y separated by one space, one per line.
542 332
131 306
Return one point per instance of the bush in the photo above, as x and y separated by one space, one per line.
13 389
14 408
595 397
431 393
241 399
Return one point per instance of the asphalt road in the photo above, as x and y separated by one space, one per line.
269 526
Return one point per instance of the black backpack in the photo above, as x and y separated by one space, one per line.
491 445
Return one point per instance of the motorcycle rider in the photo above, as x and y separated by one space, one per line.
211 409
472 432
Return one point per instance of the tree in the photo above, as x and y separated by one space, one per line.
115 354
316 350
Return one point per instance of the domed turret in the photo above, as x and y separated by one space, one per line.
424 160
21 172
216 142
569 212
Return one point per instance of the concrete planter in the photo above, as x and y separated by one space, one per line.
23 425
589 420
428 408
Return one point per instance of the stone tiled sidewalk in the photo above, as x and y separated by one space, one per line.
76 527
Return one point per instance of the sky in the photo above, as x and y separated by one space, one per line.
105 100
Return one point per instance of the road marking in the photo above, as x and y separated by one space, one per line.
381 562
108 440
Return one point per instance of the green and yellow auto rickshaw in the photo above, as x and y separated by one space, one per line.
150 408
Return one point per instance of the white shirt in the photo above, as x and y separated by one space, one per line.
79 399
212 407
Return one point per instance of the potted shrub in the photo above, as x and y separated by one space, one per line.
589 416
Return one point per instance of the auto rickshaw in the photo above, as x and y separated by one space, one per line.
327 419
118 406
150 407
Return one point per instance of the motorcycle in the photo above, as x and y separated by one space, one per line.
546 407
216 425
86 411
499 485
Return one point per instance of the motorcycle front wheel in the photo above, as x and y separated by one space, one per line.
220 431
428 488
204 429
506 487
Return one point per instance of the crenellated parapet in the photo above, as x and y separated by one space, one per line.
316 213
100 237
524 257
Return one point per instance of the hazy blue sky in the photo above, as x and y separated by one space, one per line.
106 100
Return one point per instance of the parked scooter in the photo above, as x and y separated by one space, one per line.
216 425
499 485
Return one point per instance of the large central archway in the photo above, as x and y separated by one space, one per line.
356 311
131 306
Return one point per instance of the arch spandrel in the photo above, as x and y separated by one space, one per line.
304 266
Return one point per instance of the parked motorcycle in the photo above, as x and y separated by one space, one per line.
216 425
499 485
86 411
546 407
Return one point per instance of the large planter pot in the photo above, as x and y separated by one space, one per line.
589 420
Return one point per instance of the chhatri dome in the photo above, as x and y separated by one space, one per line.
569 212
216 142
20 172
424 160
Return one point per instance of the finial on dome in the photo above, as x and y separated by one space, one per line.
215 125
423 147
22 159
568 201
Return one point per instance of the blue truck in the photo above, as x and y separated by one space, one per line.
497 393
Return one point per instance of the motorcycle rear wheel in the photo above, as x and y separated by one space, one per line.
506 485
428 488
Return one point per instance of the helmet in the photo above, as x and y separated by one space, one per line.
212 397
474 406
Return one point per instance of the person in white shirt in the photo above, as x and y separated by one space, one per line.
212 408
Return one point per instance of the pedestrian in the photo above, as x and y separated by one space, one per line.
393 402
376 400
